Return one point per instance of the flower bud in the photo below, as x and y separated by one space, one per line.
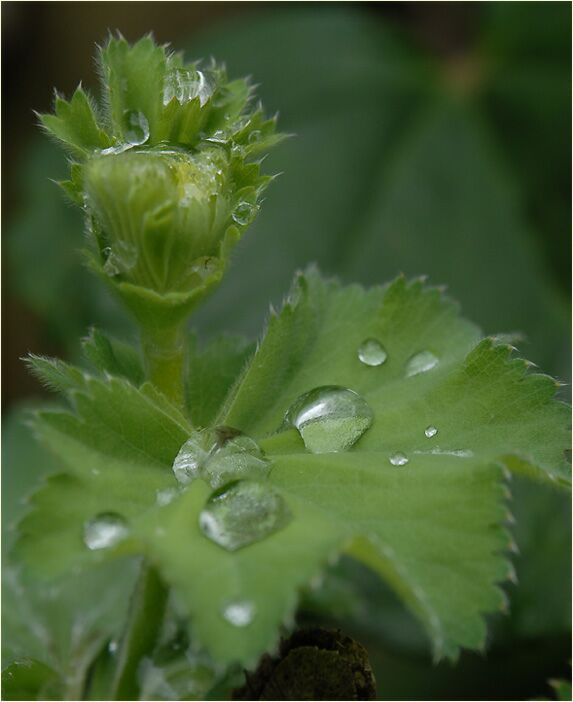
165 173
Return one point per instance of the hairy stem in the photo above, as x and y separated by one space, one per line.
164 354
140 635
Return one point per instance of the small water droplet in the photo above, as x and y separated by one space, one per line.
398 459
372 353
112 647
240 613
218 137
329 418
136 127
254 136
430 431
105 530
421 363
244 213
165 497
242 513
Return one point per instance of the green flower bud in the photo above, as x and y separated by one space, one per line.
165 172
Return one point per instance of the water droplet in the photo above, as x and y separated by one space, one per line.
242 513
421 362
239 457
136 127
244 213
165 497
105 530
218 137
372 353
112 647
240 613
430 431
186 84
191 457
329 418
111 265
398 459
219 456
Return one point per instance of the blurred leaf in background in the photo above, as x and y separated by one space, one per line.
455 166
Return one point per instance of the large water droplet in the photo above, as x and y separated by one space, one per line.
240 613
105 530
430 431
186 84
398 459
421 362
242 513
239 457
136 129
219 456
330 418
372 353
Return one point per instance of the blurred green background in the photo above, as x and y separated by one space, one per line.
429 138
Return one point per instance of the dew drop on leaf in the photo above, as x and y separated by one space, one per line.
398 459
136 127
105 530
242 513
421 363
165 497
430 431
244 213
219 456
240 613
372 353
191 457
239 457
329 418
185 85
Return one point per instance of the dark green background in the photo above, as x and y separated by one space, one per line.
429 138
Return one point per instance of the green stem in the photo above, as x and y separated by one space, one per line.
140 636
164 354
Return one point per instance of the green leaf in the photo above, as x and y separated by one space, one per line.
212 370
75 124
28 679
432 529
64 623
133 81
112 356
